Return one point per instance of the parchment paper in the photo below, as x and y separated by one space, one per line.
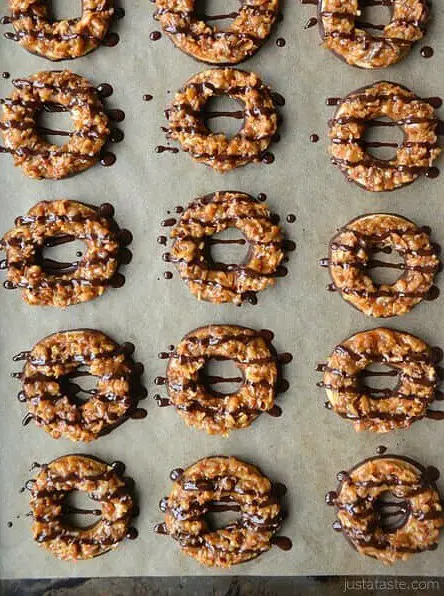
308 445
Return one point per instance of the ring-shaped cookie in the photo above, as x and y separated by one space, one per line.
187 119
383 487
48 283
201 407
211 214
103 483
54 91
347 37
51 394
350 257
381 410
414 156
249 28
64 39
222 480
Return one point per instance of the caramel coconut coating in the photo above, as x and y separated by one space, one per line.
343 34
60 40
351 258
46 284
415 155
48 370
223 479
210 215
103 484
37 157
200 407
246 32
356 502
387 409
187 123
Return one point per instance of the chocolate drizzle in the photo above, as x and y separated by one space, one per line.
385 511
201 258
52 488
80 96
351 386
359 145
383 242
206 382
55 272
219 493
40 18
184 119
40 385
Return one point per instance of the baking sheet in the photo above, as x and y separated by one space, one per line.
307 445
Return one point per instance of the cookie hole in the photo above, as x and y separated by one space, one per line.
217 14
223 115
221 377
80 511
382 138
54 125
227 248
61 254
374 18
392 511
385 267
380 376
222 514
64 9
82 383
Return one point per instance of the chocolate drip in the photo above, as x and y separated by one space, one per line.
160 529
427 52
435 415
163 148
282 542
116 115
105 90
176 474
312 22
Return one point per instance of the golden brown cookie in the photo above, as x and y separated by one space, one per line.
248 29
414 155
351 260
388 508
46 282
188 126
37 32
58 362
408 358
216 413
218 484
218 282
347 36
61 91
113 505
